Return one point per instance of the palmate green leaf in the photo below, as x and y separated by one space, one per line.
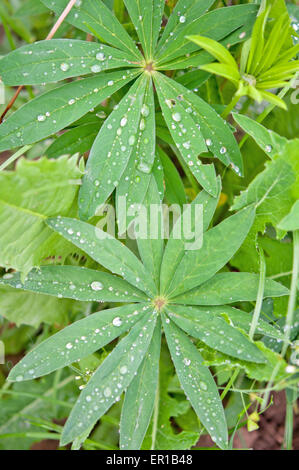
24 308
227 288
112 377
197 383
219 245
119 138
161 434
257 41
140 396
175 248
135 180
56 109
79 139
77 341
59 59
268 140
216 25
275 190
105 250
146 16
183 110
151 246
183 14
178 121
75 282
215 332
28 195
291 221
93 16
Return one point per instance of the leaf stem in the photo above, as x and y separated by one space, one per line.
156 416
230 106
260 295
16 155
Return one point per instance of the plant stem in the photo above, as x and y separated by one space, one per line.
230 106
155 417
230 383
15 156
293 293
260 295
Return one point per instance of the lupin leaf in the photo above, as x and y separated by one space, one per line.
219 245
76 342
74 282
140 396
175 248
197 382
146 16
267 140
93 16
113 147
56 109
227 288
206 129
216 24
105 250
79 139
109 381
183 14
58 59
215 332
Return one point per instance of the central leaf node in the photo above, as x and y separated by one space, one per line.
149 67
159 303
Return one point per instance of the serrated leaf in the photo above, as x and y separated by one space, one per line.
75 282
267 140
215 332
56 109
105 250
113 148
146 16
216 25
93 16
260 372
140 396
291 221
175 248
79 139
24 308
183 109
197 383
112 377
35 190
219 245
76 341
228 288
59 59
274 190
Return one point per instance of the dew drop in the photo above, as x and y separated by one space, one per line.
100 56
64 67
176 117
107 392
123 370
145 110
96 285
117 321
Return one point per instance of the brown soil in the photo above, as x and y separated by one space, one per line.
270 434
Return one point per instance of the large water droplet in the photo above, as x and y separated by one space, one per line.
96 285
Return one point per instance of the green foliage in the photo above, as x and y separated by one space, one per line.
156 328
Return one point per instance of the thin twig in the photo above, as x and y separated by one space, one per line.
50 36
